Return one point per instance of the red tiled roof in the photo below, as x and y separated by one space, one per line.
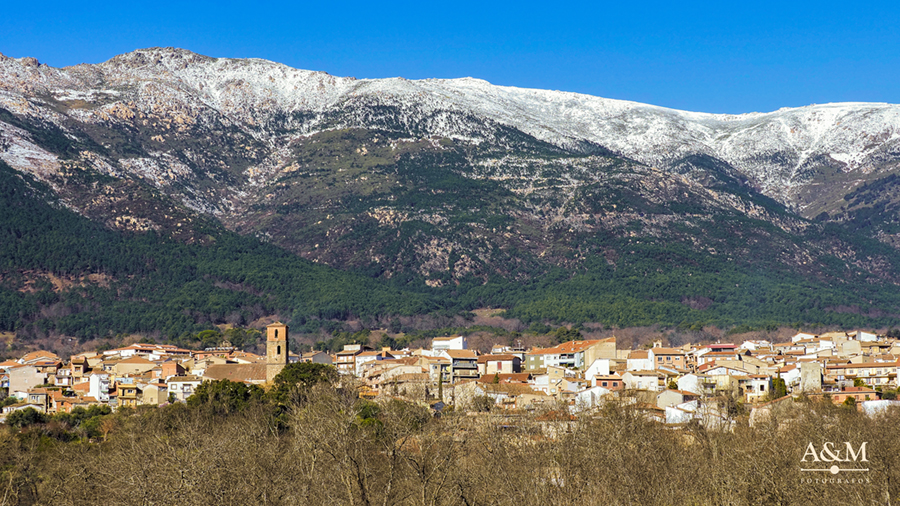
865 365
149 348
460 353
237 372
568 347
667 351
506 378
858 390
495 358
34 355
135 360
682 392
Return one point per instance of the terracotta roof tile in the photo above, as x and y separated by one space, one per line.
568 347
237 372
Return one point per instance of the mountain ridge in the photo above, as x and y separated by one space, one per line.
473 191
650 134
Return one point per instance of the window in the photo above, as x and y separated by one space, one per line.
604 383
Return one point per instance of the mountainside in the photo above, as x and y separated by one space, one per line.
479 193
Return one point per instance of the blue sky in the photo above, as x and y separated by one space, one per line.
699 56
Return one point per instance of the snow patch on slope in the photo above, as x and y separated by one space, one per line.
17 150
777 150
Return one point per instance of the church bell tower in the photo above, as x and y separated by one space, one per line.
276 349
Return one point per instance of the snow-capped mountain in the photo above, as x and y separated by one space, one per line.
781 152
300 157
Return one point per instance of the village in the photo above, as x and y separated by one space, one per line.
707 384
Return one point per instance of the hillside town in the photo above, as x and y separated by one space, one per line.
707 384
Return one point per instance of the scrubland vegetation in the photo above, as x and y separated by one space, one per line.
311 440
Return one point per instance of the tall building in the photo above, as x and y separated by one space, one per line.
276 349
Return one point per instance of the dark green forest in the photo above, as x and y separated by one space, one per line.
156 285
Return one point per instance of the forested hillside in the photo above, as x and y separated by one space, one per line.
63 273
164 192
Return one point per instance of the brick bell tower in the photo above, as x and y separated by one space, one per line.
276 349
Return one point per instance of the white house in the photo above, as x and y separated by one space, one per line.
543 383
668 398
370 357
449 343
600 367
790 373
682 413
99 386
802 337
499 364
183 386
866 336
152 352
37 406
755 345
639 360
590 398
642 380
755 386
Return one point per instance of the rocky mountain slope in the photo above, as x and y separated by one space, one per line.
446 182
